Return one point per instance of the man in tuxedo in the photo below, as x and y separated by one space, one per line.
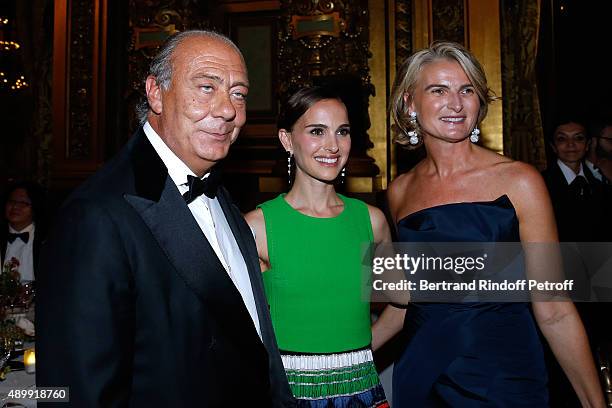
599 156
580 210
21 236
577 196
151 293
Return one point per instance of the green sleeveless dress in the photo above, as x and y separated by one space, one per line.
319 303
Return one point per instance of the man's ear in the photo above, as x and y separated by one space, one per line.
285 140
154 96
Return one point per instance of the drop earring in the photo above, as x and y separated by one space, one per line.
412 134
414 138
474 136
289 156
343 175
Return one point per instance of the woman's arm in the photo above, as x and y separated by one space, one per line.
380 227
563 329
559 321
257 222
396 196
389 323
391 320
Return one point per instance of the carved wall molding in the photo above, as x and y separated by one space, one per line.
79 62
448 20
80 86
42 126
403 31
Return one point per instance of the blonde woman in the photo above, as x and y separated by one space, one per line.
473 354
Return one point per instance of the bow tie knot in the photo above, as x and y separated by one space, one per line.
24 236
198 186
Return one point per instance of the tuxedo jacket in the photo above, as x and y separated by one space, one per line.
38 239
578 220
134 309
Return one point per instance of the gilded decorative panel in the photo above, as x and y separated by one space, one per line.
403 31
523 134
256 34
43 115
448 20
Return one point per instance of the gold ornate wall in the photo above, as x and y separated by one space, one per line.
360 41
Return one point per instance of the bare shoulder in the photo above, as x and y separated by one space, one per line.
488 158
375 212
398 187
257 222
400 182
255 218
380 227
528 193
521 178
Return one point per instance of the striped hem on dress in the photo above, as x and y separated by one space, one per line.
342 379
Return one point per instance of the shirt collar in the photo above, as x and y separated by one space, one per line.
29 228
594 169
569 173
177 169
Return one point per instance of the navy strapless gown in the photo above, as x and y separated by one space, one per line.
468 354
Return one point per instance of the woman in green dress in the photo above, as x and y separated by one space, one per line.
311 243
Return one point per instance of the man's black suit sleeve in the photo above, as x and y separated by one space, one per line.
85 313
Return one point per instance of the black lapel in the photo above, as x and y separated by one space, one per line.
249 253
150 173
559 179
244 237
164 211
180 237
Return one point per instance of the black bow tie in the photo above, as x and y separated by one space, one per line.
198 186
25 236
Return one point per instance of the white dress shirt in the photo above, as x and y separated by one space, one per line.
569 173
23 252
211 219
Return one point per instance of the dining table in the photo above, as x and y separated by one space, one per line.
17 380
